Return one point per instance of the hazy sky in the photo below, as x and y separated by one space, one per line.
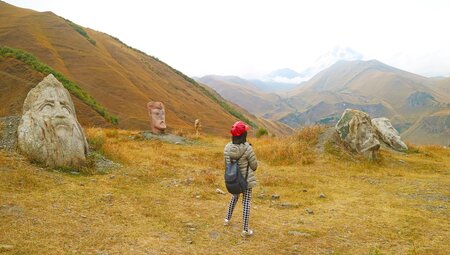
247 38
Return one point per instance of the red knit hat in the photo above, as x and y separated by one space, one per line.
239 128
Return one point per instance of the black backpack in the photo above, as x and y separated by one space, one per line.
234 181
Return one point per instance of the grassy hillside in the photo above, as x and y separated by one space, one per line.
376 88
45 70
17 78
246 95
117 76
274 127
163 200
444 85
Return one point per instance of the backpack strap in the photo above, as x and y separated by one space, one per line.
246 175
241 155
248 163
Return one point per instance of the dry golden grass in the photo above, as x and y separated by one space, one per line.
295 149
163 201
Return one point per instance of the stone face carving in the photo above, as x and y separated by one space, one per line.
388 134
198 127
49 131
355 128
157 115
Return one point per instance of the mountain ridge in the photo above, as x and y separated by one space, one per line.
371 86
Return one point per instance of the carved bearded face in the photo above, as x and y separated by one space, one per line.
157 116
49 131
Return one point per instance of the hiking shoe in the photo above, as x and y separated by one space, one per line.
226 222
247 233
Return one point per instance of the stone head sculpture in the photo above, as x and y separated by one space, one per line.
49 131
157 116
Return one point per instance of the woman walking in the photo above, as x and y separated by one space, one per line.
239 149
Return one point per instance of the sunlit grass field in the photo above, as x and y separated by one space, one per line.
163 200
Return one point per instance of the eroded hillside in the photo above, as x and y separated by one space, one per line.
118 77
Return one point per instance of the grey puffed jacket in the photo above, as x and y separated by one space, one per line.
247 156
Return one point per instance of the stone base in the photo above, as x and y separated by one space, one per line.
147 135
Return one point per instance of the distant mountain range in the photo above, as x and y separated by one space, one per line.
287 79
419 107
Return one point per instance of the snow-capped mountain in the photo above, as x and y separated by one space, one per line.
330 58
285 75
289 76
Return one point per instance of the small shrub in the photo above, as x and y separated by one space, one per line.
210 178
81 31
261 132
112 133
96 139
180 132
412 148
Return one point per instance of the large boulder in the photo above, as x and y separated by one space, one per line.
355 129
388 134
49 131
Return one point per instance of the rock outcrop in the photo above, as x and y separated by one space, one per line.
49 131
355 129
8 132
388 134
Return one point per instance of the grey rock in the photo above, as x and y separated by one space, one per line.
189 181
174 139
213 235
219 191
101 163
189 224
275 196
8 132
49 131
12 210
298 233
107 198
309 211
284 205
322 195
6 247
289 205
356 130
388 134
